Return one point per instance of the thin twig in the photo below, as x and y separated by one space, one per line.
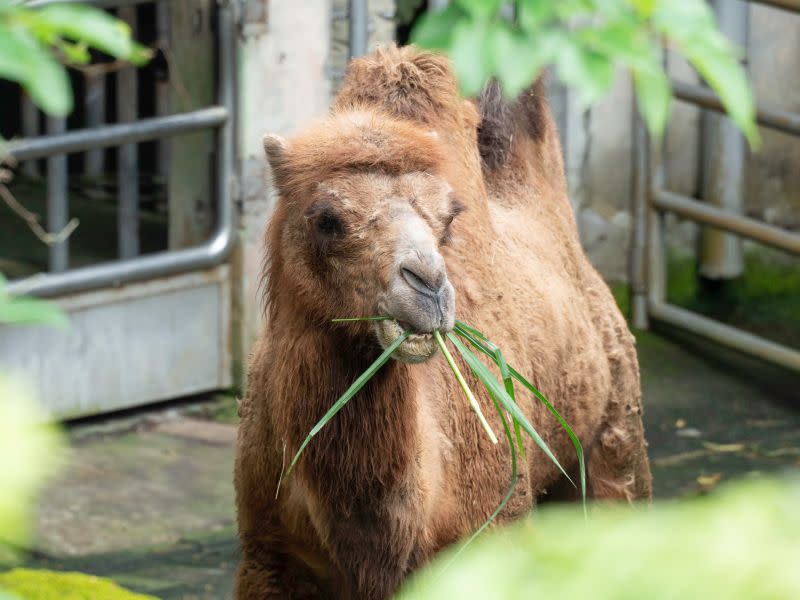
98 69
32 220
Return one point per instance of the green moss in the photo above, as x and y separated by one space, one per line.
32 584
222 409
621 292
764 301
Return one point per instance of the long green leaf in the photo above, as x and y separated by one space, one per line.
467 392
512 485
354 319
473 336
20 311
351 391
488 379
505 373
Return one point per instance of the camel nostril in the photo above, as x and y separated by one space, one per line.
420 284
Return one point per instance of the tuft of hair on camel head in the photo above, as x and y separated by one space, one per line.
356 140
406 82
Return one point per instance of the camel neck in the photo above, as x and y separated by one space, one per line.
367 446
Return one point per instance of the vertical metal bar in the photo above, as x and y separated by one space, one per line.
656 235
57 201
162 86
638 258
437 5
30 128
128 159
359 23
724 160
95 105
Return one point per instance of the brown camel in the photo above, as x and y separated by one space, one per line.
411 202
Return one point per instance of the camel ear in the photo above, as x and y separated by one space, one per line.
276 148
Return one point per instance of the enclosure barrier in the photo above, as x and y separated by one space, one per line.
57 144
653 201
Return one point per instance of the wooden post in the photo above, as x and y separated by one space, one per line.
190 58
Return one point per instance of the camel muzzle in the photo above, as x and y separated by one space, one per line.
420 296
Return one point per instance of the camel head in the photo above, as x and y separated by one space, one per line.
364 212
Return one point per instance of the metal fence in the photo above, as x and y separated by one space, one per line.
653 202
57 143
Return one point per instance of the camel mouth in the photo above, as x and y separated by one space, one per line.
418 348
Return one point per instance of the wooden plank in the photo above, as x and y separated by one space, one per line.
190 58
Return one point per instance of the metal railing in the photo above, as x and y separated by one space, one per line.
653 201
55 147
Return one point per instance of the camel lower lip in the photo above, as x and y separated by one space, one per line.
417 347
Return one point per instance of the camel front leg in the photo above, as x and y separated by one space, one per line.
266 575
375 551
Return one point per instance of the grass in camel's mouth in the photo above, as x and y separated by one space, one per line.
503 396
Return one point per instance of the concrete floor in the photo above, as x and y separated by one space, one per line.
152 507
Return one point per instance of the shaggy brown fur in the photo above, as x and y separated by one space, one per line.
405 469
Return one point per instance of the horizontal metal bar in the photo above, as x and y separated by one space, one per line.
710 215
782 120
172 262
725 334
115 135
790 5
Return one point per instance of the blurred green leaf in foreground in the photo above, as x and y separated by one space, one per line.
742 542
29 447
585 41
29 452
36 44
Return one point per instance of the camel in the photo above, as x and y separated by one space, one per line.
412 202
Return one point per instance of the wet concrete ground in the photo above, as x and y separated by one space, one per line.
152 507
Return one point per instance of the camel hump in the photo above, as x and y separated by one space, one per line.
407 83
504 121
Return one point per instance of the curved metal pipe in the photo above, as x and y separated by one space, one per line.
210 254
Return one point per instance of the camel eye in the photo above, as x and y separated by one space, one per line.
328 224
456 208
325 225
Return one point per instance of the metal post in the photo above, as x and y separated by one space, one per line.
30 128
57 201
724 159
638 257
359 34
95 105
128 159
656 227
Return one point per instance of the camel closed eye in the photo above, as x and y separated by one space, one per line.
456 208
325 224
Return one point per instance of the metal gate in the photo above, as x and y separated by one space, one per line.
653 201
144 328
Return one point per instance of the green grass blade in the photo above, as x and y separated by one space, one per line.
576 443
465 332
488 379
351 391
505 373
354 319
473 331
467 392
512 485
